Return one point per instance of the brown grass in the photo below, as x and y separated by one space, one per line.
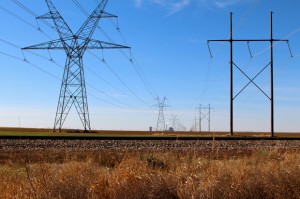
259 174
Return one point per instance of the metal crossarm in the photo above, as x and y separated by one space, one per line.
50 45
96 44
73 89
108 15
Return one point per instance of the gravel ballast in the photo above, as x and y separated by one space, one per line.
10 145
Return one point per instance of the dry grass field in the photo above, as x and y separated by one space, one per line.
150 174
147 169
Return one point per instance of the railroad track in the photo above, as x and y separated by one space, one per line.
54 137
141 144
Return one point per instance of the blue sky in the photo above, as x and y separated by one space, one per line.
168 40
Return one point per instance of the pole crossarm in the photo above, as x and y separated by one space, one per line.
246 40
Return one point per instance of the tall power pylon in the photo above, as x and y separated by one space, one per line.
161 125
73 89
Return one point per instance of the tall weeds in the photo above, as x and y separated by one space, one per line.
262 174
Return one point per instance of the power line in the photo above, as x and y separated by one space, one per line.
57 78
80 7
138 69
18 17
104 80
136 66
30 63
247 13
103 93
24 8
12 56
143 78
31 12
134 61
119 78
38 55
24 21
41 69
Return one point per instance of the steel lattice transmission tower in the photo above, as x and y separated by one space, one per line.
161 125
73 89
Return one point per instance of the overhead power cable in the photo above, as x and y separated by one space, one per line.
104 80
24 21
30 63
133 61
80 7
12 56
16 16
36 54
136 66
247 13
24 8
143 78
43 70
103 93
119 78
53 76
30 12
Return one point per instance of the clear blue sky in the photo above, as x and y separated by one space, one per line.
168 40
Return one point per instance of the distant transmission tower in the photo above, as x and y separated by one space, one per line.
73 89
161 125
204 113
